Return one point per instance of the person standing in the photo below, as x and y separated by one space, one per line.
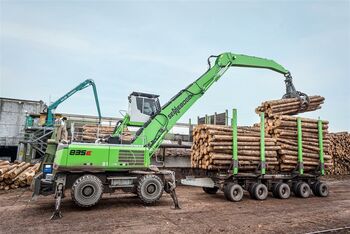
62 133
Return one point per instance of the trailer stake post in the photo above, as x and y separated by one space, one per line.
320 143
234 142
300 147
262 144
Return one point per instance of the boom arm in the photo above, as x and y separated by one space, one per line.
81 86
153 132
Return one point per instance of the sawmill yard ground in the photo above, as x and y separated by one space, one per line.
200 213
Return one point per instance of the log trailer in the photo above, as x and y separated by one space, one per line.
91 169
259 183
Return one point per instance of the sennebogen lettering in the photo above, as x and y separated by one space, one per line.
176 110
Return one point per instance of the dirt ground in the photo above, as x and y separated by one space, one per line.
200 213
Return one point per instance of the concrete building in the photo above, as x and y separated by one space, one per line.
12 122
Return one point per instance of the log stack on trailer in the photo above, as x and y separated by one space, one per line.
284 129
14 175
212 148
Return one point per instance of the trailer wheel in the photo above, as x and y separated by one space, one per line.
210 190
87 190
150 189
260 192
322 189
274 189
303 190
282 191
295 187
233 192
251 190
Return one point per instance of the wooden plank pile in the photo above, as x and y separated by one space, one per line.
283 128
289 106
17 174
340 151
212 148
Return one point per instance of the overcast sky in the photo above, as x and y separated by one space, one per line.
48 47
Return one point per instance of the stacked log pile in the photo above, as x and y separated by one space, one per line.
283 128
17 174
289 106
212 148
90 132
340 151
174 152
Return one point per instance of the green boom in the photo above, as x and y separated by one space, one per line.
152 134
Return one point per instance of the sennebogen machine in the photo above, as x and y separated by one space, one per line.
91 169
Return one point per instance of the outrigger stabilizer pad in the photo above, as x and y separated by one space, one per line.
174 197
57 213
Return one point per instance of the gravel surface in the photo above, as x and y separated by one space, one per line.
200 213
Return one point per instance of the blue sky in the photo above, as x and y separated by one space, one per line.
48 47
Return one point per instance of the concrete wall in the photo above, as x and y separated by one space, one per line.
12 118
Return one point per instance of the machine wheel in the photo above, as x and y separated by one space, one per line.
87 190
282 191
260 192
321 189
210 190
251 189
303 190
150 189
233 192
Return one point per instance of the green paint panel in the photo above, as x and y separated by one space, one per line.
109 157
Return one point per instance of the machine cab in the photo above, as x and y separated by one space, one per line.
142 106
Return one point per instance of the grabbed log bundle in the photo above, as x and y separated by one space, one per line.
289 106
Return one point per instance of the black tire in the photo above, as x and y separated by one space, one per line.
150 189
295 187
87 191
251 190
233 192
274 189
322 189
210 190
313 188
283 191
260 192
303 190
